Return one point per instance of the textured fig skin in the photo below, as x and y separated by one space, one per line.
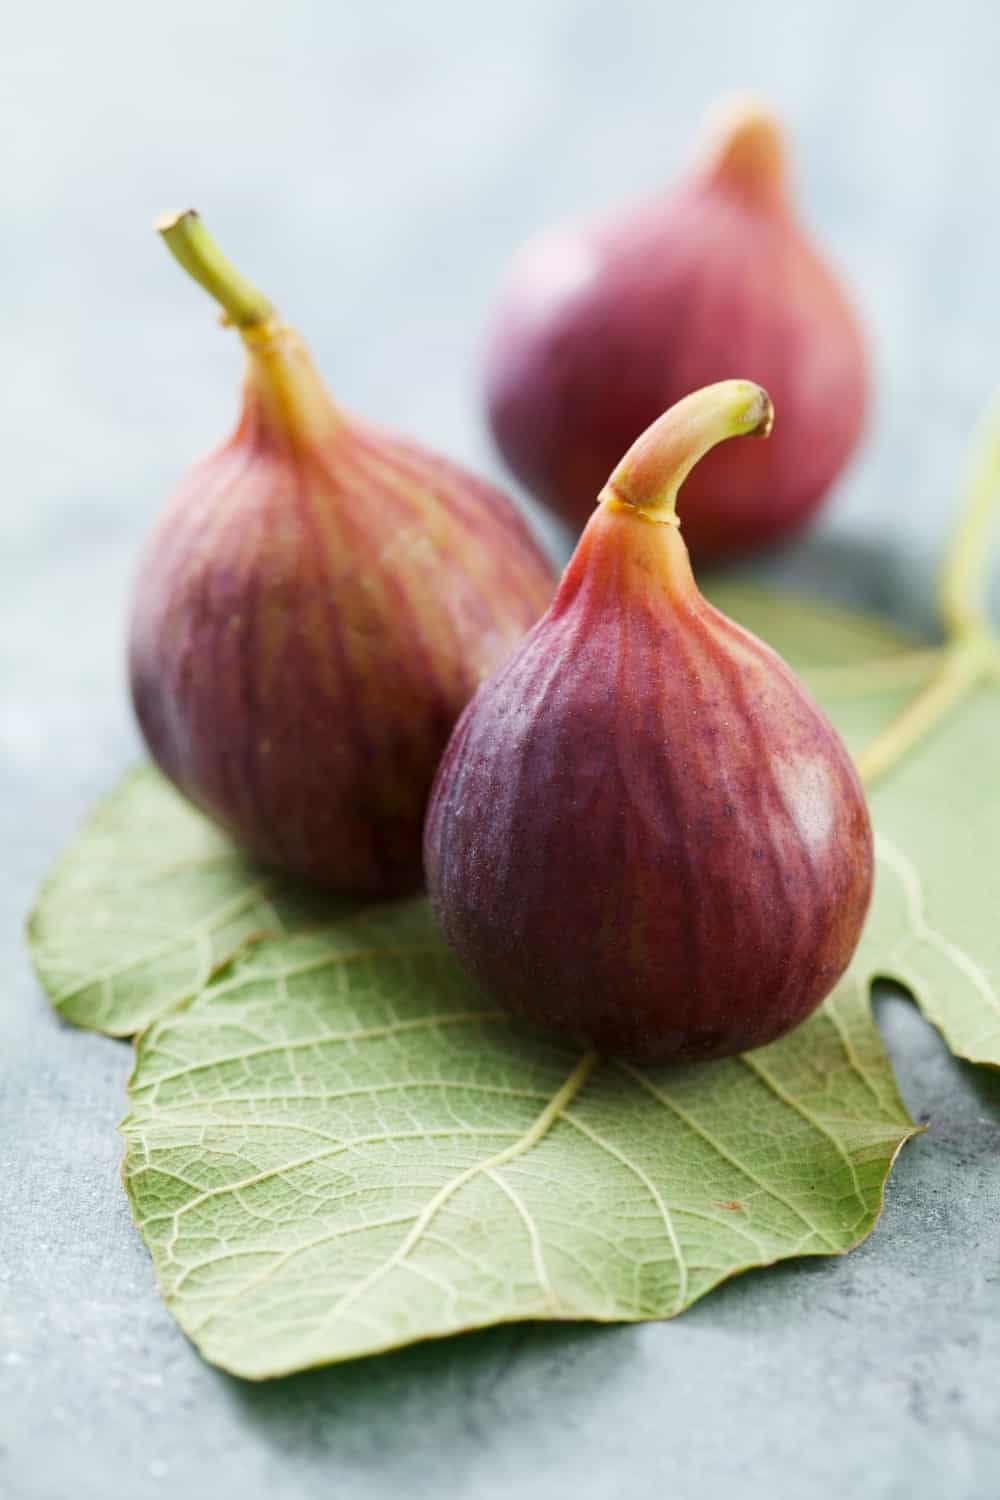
644 834
309 621
604 325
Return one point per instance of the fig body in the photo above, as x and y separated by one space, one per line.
603 326
644 834
314 609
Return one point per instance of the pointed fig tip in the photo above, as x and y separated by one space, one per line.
746 145
741 111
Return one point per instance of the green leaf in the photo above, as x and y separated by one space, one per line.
934 926
146 904
340 1147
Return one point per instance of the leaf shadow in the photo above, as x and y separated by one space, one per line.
449 1389
762 1282
926 1070
984 1082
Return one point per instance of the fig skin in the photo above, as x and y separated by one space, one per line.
314 609
644 835
602 326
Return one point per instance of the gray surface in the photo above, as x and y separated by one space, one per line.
373 166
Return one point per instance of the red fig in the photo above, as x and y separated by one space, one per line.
316 606
605 325
644 834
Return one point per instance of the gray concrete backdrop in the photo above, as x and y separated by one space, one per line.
373 165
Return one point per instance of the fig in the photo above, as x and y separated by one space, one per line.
605 325
644 834
314 609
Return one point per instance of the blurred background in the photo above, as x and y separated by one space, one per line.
373 167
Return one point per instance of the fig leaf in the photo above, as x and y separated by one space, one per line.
146 904
335 1146
339 1147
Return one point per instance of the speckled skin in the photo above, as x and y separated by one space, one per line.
314 609
604 325
644 833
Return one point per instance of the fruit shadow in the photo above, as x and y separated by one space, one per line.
851 571
444 1395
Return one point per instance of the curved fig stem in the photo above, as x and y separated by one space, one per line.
658 462
971 651
193 247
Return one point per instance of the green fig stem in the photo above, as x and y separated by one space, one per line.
658 462
192 246
971 653
282 384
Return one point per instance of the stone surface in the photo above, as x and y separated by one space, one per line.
373 166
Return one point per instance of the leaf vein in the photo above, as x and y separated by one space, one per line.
654 1193
692 1124
541 1125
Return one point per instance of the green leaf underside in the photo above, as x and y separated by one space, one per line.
339 1147
145 906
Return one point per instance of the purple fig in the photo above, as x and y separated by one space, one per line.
316 606
644 834
603 326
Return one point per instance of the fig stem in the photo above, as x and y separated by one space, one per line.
962 589
654 468
192 246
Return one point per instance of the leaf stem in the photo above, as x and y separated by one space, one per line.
971 651
962 666
962 587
